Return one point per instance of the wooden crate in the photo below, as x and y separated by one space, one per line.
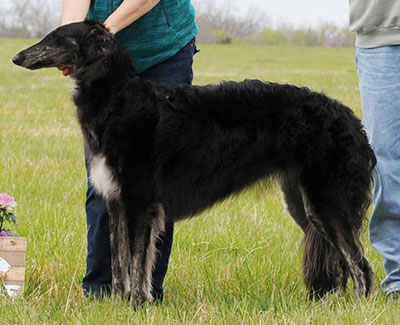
13 251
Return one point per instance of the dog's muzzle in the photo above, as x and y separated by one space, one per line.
37 57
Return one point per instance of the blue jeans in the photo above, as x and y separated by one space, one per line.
379 78
176 70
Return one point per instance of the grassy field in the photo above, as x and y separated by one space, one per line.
238 264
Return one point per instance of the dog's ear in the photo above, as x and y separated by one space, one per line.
99 35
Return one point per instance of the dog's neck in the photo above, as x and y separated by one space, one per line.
111 68
98 85
98 82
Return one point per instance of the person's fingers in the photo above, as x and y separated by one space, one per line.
65 71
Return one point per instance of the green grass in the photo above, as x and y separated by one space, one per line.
238 264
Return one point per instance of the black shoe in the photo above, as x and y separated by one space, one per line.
394 295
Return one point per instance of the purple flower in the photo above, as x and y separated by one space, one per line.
4 233
7 201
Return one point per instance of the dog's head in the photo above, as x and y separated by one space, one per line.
75 45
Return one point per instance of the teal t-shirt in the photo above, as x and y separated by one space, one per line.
156 36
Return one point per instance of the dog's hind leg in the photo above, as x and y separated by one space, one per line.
344 255
293 201
120 253
324 269
143 235
358 265
347 224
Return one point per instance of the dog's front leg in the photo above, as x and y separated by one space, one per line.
120 252
144 234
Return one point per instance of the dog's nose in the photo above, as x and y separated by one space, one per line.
16 59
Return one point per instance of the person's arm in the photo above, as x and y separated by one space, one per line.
128 12
74 11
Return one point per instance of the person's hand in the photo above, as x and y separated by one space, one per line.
65 70
128 12
111 28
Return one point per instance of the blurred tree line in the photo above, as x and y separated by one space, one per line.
28 18
217 22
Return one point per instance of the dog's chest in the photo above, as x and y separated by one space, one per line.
102 179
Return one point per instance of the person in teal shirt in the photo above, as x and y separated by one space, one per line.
159 35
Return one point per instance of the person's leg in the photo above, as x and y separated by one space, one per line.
176 70
98 263
379 81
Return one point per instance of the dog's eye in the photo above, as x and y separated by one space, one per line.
72 42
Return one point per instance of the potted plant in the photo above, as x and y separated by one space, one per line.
12 249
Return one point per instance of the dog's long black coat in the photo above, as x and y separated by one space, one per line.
160 152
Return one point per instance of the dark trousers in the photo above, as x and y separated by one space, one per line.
176 70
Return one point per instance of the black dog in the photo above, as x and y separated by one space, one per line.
162 153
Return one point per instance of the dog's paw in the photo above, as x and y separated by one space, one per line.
139 300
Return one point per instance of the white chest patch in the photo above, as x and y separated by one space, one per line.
102 179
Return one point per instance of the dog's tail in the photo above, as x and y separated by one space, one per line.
324 268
